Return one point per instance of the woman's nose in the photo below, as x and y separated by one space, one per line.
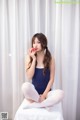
35 45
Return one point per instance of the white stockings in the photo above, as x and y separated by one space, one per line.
53 97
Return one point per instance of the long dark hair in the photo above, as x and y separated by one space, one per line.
43 40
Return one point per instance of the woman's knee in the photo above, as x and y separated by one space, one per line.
26 87
60 93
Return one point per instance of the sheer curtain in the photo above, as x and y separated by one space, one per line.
19 20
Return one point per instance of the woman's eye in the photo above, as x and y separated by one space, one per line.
38 42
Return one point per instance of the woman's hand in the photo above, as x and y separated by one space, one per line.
32 52
42 98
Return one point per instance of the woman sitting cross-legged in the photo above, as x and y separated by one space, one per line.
40 68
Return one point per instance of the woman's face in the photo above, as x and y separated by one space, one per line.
37 44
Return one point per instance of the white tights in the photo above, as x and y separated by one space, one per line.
53 97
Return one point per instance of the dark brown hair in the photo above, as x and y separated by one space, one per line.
43 40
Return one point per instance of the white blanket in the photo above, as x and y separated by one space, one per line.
52 113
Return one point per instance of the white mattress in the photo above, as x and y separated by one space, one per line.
54 113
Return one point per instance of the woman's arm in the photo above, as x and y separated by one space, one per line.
52 74
30 68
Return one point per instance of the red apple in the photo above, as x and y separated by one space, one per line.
33 49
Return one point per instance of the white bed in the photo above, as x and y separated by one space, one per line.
39 113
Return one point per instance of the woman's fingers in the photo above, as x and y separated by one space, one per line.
31 52
42 98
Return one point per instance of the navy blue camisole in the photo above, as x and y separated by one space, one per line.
40 80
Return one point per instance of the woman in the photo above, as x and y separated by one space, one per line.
40 68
